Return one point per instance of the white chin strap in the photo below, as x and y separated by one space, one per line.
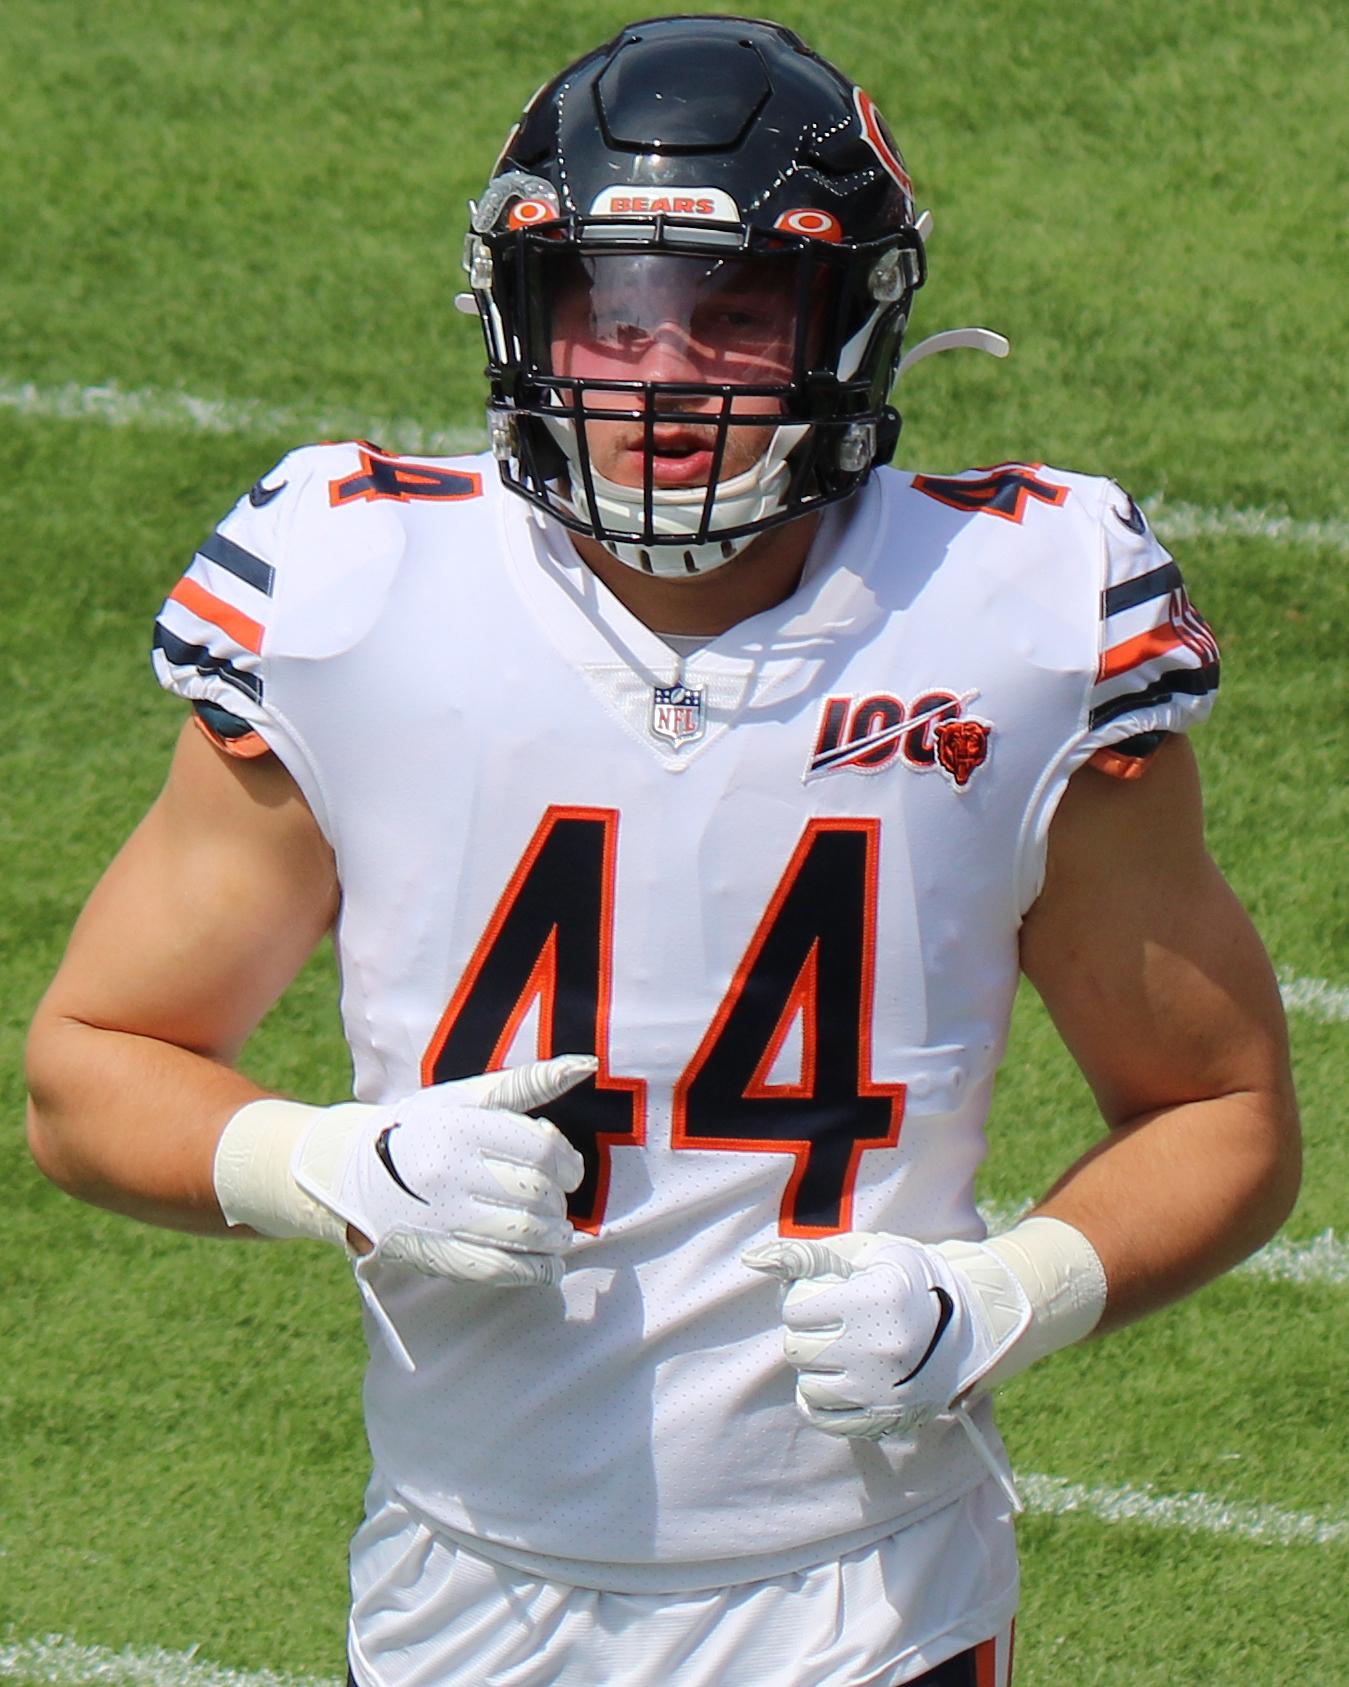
678 511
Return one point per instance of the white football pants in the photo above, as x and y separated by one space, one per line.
429 1612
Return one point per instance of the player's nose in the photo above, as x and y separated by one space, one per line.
670 357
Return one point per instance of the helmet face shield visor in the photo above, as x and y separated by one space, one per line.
673 368
668 317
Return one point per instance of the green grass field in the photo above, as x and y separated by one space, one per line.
264 203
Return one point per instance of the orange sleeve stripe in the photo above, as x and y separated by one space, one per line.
243 630
1120 657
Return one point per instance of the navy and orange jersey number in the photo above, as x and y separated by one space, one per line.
810 963
384 474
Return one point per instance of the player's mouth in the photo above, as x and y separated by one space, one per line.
682 456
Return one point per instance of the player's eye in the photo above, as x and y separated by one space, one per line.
737 324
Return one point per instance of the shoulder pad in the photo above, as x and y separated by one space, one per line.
289 572
1159 660
335 560
301 566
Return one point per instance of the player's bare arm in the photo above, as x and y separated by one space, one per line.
198 925
193 933
1160 987
1163 993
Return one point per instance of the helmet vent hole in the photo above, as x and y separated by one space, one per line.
645 558
689 563
727 549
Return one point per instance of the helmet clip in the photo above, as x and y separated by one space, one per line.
857 447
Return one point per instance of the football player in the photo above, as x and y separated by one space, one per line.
686 790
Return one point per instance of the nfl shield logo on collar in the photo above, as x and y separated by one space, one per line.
678 713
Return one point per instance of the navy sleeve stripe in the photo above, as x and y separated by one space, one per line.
252 570
1130 593
1192 682
184 655
222 722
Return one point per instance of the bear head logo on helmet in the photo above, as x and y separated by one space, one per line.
693 265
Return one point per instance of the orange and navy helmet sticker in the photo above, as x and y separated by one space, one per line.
819 225
879 139
526 212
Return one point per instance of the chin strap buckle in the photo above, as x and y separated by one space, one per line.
857 448
501 431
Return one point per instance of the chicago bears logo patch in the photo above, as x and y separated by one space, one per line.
962 745
935 732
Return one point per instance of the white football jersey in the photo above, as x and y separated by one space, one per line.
775 886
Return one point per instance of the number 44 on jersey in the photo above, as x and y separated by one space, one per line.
810 962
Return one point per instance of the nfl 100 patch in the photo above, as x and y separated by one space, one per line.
936 731
678 713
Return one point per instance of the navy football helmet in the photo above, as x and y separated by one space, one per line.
722 224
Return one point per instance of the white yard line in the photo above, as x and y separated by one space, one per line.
158 407
1195 521
1200 1513
1315 996
65 1663
1325 1259
155 407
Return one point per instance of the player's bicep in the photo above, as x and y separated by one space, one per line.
208 911
1148 964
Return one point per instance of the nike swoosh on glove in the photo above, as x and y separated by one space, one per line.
887 1333
455 1181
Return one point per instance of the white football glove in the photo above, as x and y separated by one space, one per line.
887 1333
455 1181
